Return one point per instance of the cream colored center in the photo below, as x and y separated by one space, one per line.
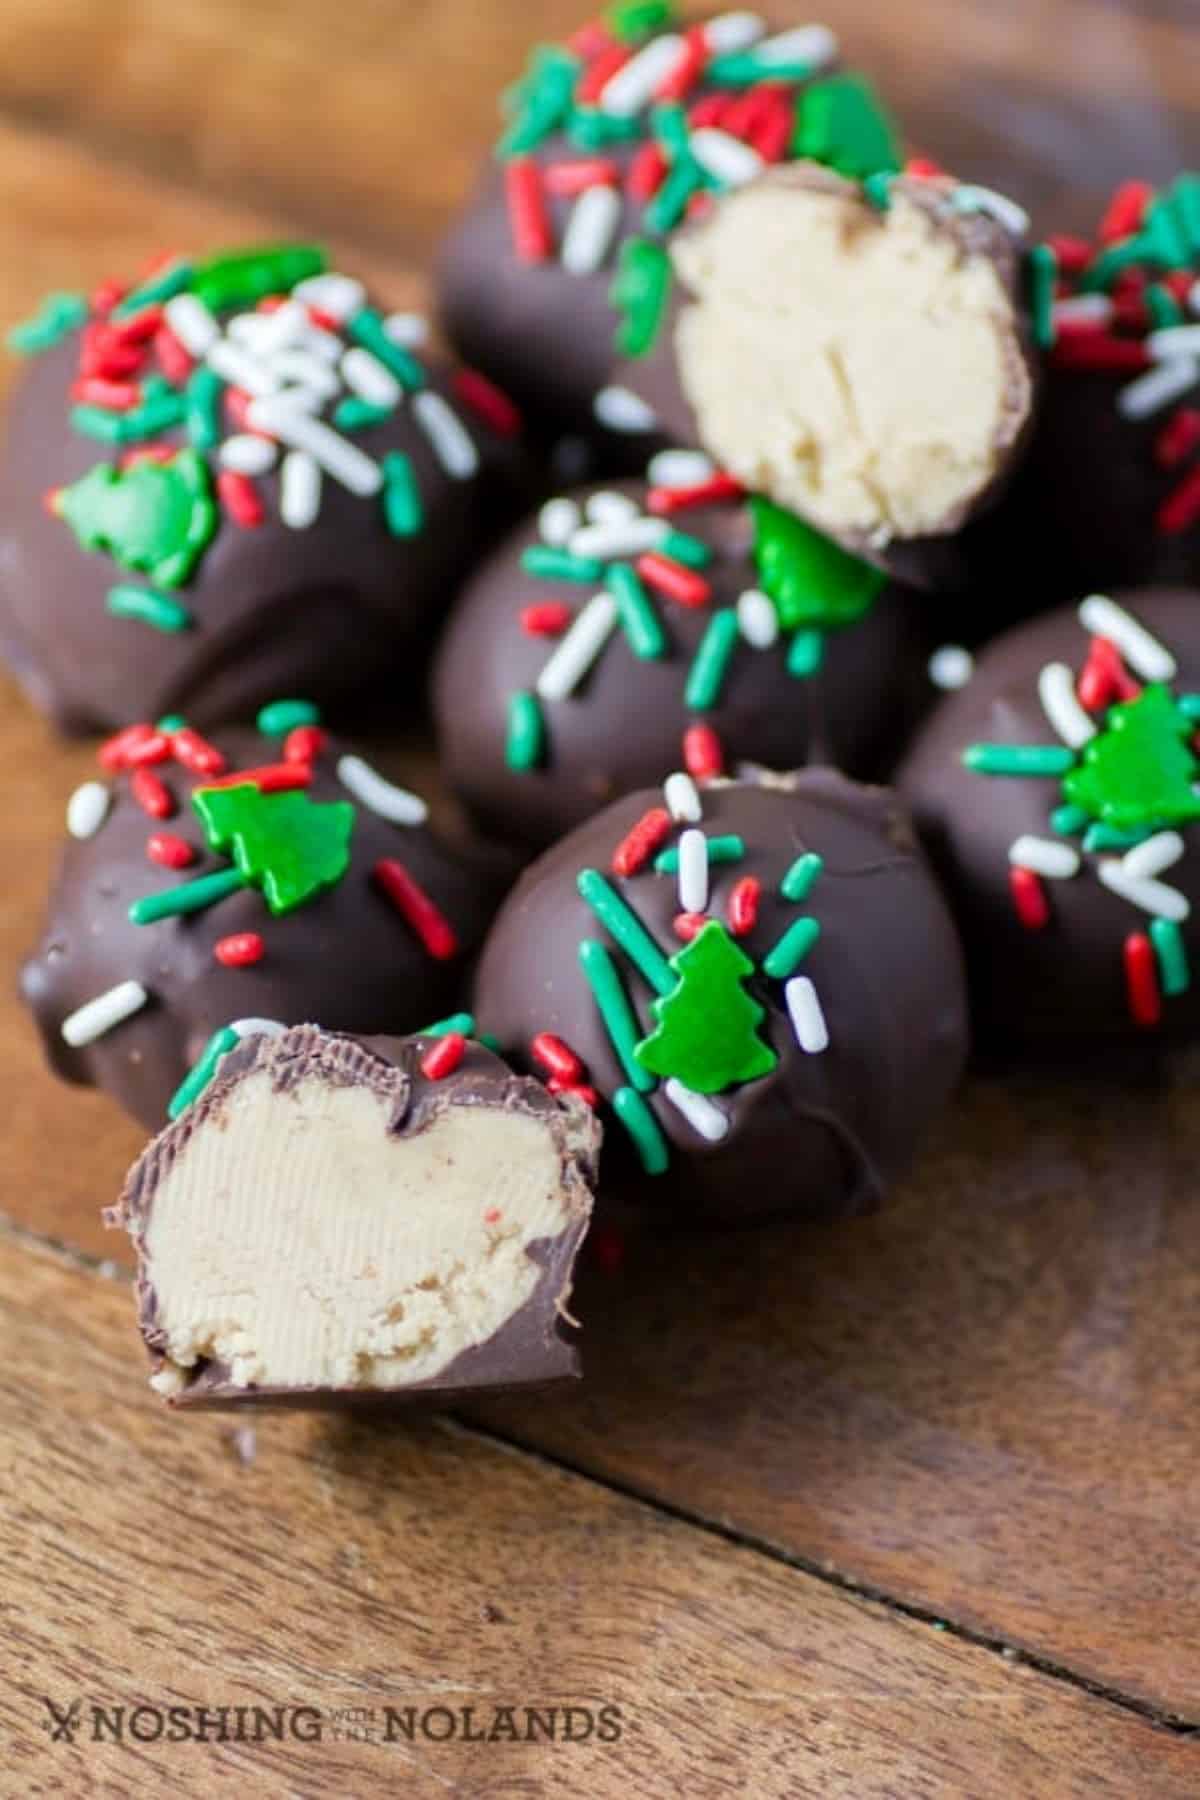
857 367
300 1244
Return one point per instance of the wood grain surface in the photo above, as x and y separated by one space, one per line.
980 1408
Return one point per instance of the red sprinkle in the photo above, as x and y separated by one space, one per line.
196 753
119 751
641 841
140 328
673 579
416 908
1125 211
545 618
533 238
169 851
270 778
713 109
147 453
1072 254
699 204
113 396
271 303
240 950
325 321
304 743
923 168
488 402
647 172
599 73
687 925
590 40
686 71
772 134
237 404
567 179
1029 898
1181 508
664 501
173 359
580 1089
743 905
107 295
100 353
558 1059
1141 980
152 794
1178 437
1131 313
492 1215
1099 350
52 502
1104 677
441 1059
703 752
240 498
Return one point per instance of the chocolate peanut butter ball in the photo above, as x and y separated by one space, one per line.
759 981
207 885
675 621
1058 794
233 479
336 1222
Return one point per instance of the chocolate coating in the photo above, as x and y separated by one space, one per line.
1061 987
623 726
345 956
822 1134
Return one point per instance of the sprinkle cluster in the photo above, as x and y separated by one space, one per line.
1128 772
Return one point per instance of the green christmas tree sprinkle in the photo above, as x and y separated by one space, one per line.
1140 770
156 518
290 846
707 1030
814 583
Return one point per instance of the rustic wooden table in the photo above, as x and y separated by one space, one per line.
904 1508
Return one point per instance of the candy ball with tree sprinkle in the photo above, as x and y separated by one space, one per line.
210 883
1058 792
233 476
757 982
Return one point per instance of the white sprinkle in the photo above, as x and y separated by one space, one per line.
1153 855
338 295
578 649
725 156
1174 340
306 370
1045 856
1158 387
192 323
1060 703
1006 212
733 31
701 1113
366 376
621 410
248 328
815 45
245 1028
1147 657
1154 897
633 85
607 508
808 1019
591 228
318 342
408 329
682 798
395 804
87 809
239 367
679 468
247 453
286 326
1083 309
758 621
618 537
693 871
951 667
449 438
337 455
558 520
301 399
299 490
107 1010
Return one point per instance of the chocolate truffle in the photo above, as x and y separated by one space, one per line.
632 629
208 885
1111 490
760 980
1057 796
340 1222
236 479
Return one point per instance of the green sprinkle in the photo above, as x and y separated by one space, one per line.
462 1021
244 277
669 124
490 1041
279 717
720 850
639 293
541 101
711 661
797 884
163 408
125 601
1174 969
608 991
842 122
368 327
1185 196
806 653
1163 307
1043 274
353 414
785 957
171 722
192 896
741 68
402 507
591 129
56 318
627 929
681 547
202 1071
525 743
638 18
202 416
643 1128
1189 705
164 286
1108 837
1019 759
1068 821
877 189
1162 237
1103 271
639 621
669 204
550 564
94 422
